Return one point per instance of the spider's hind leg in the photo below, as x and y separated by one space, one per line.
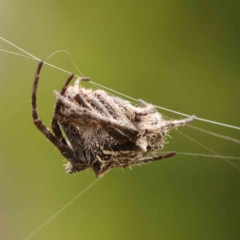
150 159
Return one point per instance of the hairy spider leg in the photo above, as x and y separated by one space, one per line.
96 104
152 159
176 123
65 151
100 172
76 113
93 102
132 111
81 101
148 108
55 125
113 109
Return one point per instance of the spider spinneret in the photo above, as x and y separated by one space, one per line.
103 131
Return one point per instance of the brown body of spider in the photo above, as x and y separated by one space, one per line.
103 131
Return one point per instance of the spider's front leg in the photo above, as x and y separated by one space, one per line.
65 151
55 125
99 102
75 114
103 104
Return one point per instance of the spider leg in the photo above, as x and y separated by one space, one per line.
150 159
106 105
78 98
91 102
99 172
133 112
65 151
100 101
75 114
55 126
96 103
176 123
113 132
112 107
147 108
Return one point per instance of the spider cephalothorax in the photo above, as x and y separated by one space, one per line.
103 131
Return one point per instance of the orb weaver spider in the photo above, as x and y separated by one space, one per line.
94 130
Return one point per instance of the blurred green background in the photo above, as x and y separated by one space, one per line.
182 55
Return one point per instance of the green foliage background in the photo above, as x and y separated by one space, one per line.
182 55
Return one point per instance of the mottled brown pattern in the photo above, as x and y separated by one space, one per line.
94 130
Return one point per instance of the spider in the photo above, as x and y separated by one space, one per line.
94 130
